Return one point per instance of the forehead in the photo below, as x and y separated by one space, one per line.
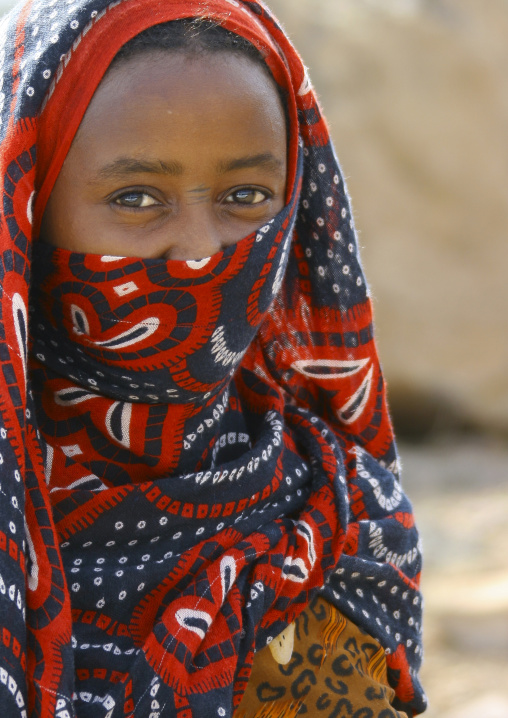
72 89
166 96
179 76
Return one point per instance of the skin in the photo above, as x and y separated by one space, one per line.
177 157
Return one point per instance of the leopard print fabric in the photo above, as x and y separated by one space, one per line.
322 665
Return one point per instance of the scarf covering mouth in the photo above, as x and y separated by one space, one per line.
132 359
142 568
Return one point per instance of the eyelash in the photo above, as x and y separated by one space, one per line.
266 195
117 200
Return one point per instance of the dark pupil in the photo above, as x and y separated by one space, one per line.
245 195
133 199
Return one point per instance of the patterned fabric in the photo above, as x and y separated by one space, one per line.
321 665
147 350
175 499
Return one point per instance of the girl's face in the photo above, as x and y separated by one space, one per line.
176 157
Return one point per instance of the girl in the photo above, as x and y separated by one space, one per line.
199 480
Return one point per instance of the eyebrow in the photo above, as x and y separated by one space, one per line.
265 160
125 166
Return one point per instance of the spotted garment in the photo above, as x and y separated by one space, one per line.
190 452
322 666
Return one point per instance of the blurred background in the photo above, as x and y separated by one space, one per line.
416 95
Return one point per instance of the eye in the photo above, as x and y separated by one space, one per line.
135 199
246 195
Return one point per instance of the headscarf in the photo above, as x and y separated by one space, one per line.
188 478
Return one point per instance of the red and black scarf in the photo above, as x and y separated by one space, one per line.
201 446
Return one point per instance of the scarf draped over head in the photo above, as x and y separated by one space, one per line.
189 451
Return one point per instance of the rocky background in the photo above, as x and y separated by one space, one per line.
416 94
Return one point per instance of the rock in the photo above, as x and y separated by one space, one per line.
478 634
416 94
460 499
490 705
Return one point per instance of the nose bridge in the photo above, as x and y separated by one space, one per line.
198 235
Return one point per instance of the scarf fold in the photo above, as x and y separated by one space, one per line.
132 360
184 473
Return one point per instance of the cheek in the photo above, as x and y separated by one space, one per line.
58 211
49 231
279 204
64 223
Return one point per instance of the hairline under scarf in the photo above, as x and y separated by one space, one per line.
82 69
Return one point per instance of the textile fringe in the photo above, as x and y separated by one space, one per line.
376 668
285 710
332 630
